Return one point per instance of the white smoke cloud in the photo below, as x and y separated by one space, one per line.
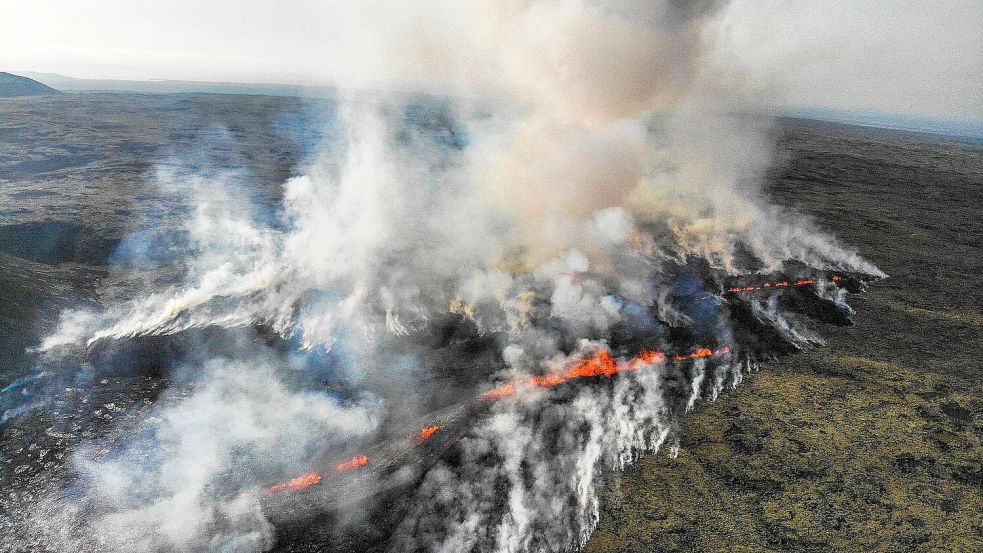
163 490
395 223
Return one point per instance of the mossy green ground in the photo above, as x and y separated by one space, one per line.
872 443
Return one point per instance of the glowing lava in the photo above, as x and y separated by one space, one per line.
355 462
601 363
779 284
312 477
425 433
505 390
699 354
299 483
645 358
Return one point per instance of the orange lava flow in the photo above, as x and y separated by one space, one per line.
355 462
425 433
312 477
299 483
780 284
647 357
601 363
505 390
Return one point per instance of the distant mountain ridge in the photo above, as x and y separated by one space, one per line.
163 86
14 85
966 128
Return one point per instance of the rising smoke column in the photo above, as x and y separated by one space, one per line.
592 152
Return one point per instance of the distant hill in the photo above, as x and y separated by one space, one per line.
961 128
15 85
72 84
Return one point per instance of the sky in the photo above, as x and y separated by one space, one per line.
908 57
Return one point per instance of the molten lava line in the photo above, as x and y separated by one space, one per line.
601 363
779 284
505 390
425 433
299 483
355 462
312 477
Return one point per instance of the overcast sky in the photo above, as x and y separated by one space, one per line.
907 56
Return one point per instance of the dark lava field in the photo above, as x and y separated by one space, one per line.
872 442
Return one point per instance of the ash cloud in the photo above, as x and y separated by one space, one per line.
583 156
